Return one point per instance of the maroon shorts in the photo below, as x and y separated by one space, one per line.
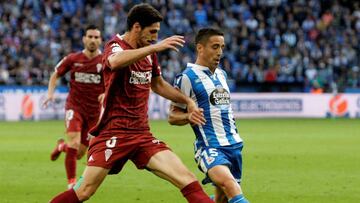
113 150
75 122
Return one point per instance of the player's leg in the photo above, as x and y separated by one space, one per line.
168 166
224 180
91 179
82 151
215 163
74 123
179 176
61 146
73 142
85 137
220 196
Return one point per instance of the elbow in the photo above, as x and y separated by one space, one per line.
171 120
112 65
155 88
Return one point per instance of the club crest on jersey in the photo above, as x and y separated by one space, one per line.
98 67
219 97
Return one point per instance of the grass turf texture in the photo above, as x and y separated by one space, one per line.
285 160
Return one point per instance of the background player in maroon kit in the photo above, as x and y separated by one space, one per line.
82 105
123 133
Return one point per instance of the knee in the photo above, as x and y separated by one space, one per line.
80 155
191 176
186 173
229 185
187 177
73 144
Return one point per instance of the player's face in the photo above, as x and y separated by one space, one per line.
92 40
211 52
149 35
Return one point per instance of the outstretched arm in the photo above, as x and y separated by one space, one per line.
124 58
163 88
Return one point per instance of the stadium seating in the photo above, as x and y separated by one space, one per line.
303 45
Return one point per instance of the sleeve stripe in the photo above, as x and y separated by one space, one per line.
59 64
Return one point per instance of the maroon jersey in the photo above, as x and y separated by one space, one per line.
127 92
86 82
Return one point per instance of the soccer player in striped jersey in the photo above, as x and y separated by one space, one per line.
218 144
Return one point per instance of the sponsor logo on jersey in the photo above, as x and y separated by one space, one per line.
140 78
87 78
78 64
220 96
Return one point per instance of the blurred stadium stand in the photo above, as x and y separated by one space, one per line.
272 45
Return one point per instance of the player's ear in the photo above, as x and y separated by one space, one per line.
136 27
199 48
83 39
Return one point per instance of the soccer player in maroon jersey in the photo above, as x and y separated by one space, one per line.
122 133
82 105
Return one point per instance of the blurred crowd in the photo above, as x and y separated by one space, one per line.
311 42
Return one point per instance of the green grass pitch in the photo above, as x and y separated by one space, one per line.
285 161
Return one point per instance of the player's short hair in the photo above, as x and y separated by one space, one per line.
90 27
204 34
144 14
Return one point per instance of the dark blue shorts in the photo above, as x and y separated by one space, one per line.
230 156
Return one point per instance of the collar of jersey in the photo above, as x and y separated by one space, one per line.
200 67
121 37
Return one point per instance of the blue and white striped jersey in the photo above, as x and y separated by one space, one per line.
210 92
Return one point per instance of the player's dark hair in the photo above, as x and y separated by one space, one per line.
91 27
205 33
144 14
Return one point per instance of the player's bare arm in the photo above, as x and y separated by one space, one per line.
51 89
178 116
164 89
124 58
